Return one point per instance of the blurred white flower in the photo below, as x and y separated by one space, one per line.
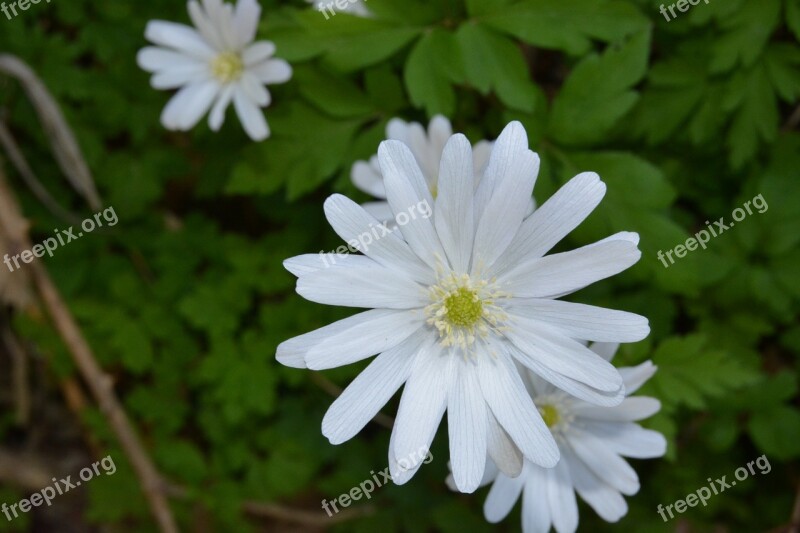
427 148
456 299
213 64
593 441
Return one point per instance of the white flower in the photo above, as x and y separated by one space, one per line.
213 65
427 149
593 441
456 299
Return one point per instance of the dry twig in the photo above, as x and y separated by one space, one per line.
97 381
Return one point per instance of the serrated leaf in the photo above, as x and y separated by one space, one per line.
430 68
492 62
567 25
592 101
690 371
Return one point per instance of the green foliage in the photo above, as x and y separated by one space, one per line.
186 299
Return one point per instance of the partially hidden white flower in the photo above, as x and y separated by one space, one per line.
455 299
427 147
213 64
593 441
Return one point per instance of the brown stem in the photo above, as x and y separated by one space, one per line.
97 381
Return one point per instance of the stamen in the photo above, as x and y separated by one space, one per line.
227 67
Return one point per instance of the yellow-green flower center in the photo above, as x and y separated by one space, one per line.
549 414
227 67
463 307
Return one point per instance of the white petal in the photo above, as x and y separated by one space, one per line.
467 428
246 18
514 176
606 464
454 203
514 141
180 76
406 188
536 514
258 52
382 212
187 106
439 132
363 340
569 385
567 272
217 115
367 177
504 453
204 25
630 410
401 474
635 377
199 98
602 497
581 321
307 263
355 226
272 71
179 37
607 350
251 117
255 90
370 391
423 403
551 222
562 354
154 59
514 409
629 439
480 158
561 497
502 496
350 339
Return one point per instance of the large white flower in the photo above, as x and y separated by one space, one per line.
456 299
593 441
213 65
427 148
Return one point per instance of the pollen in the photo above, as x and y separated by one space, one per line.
227 67
463 307
549 414
464 310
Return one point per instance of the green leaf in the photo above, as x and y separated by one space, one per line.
492 62
756 118
431 67
335 95
690 372
352 43
748 30
776 432
592 101
567 25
